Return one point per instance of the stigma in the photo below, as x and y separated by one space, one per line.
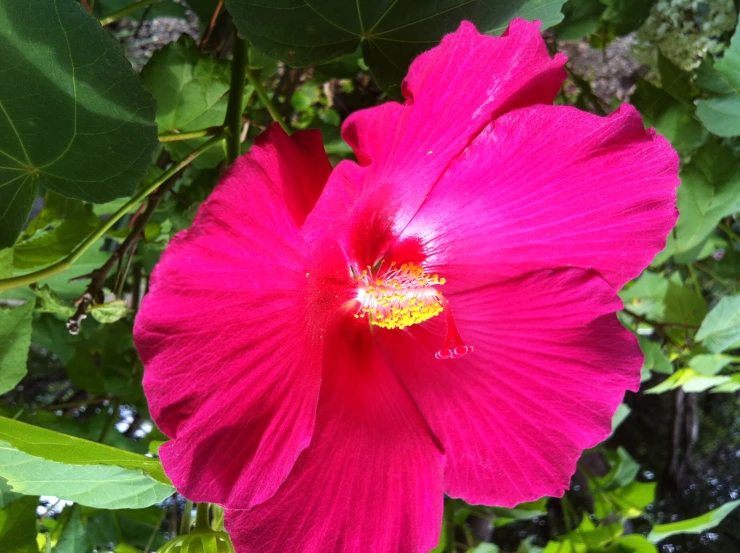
405 295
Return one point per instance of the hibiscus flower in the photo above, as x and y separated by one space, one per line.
333 351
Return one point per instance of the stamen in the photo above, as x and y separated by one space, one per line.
404 296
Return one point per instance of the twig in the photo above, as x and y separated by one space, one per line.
262 95
172 137
657 324
94 292
211 24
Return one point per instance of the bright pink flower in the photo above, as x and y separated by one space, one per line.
290 335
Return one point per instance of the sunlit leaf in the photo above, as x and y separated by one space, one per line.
696 525
15 339
720 330
721 114
61 448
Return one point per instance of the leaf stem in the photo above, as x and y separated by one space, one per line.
729 232
67 262
262 95
126 11
200 133
233 120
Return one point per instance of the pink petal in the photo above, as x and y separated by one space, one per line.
549 368
452 92
371 481
547 187
228 336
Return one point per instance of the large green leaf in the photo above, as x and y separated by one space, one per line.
15 339
710 190
720 330
73 114
191 90
696 525
190 87
62 448
96 485
7 495
54 232
721 114
392 32
74 538
18 526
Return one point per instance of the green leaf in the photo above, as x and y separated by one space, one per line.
191 90
622 412
623 470
664 300
61 448
15 339
720 330
107 363
729 387
721 114
689 381
96 485
696 525
18 526
592 536
673 119
646 295
74 538
634 543
580 19
710 190
7 495
655 361
484 548
624 16
190 87
109 312
72 222
709 365
628 502
392 32
523 511
73 114
63 284
131 526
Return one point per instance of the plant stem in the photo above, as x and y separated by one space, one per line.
262 95
233 121
67 262
729 232
187 514
126 11
175 136
202 521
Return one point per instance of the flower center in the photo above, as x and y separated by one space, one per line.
407 295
